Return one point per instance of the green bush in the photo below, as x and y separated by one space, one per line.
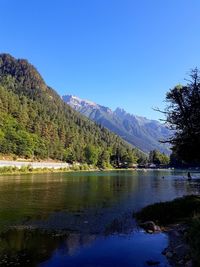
172 211
6 169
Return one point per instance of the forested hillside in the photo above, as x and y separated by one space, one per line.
36 123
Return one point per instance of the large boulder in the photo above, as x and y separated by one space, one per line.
150 227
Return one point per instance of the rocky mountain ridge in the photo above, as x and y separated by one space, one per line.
139 131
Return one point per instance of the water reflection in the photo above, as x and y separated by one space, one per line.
86 208
28 248
78 197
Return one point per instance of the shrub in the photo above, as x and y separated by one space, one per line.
171 211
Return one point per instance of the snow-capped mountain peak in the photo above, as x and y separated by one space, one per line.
77 102
136 130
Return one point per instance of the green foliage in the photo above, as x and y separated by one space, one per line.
36 123
129 158
84 167
91 154
104 160
11 169
158 158
8 169
171 211
183 115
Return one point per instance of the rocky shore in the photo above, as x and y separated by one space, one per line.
179 219
178 251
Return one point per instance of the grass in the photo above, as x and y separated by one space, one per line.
28 169
169 212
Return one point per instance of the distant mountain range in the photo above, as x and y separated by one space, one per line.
139 131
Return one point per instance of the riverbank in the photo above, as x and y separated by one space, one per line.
11 167
28 168
180 219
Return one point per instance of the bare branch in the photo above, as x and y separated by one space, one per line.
161 111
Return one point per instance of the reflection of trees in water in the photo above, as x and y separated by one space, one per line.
75 241
89 204
26 248
36 196
124 224
30 247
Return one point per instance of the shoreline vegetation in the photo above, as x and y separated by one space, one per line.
27 166
180 219
15 165
27 169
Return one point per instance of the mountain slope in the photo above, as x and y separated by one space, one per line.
35 122
138 131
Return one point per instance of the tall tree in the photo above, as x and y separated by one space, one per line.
183 115
157 157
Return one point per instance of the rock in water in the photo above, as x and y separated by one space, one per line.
150 227
152 262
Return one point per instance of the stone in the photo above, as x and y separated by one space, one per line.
149 231
188 263
152 262
150 226
176 233
181 250
169 254
164 252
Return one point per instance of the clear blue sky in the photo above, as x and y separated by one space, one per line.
124 53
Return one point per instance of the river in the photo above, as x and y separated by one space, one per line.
84 219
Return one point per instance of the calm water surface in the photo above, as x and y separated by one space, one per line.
84 219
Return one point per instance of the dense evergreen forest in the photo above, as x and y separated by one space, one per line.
35 122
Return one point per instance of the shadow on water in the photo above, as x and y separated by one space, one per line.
83 219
